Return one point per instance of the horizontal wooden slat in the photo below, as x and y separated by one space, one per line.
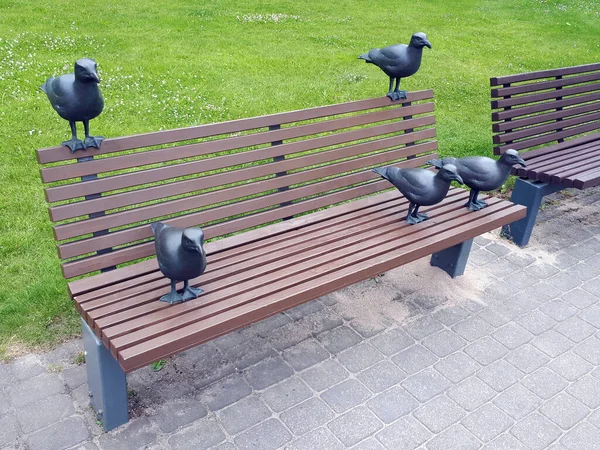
546 159
533 98
544 172
572 170
587 180
543 85
563 71
570 143
56 154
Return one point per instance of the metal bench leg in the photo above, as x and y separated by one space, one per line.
107 382
530 194
454 259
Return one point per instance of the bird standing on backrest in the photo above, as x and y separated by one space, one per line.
421 187
77 98
181 257
398 61
481 173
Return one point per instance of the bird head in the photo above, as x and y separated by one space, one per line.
86 70
511 157
419 40
449 172
192 240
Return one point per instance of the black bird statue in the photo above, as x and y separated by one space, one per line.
421 187
77 98
398 61
181 257
481 173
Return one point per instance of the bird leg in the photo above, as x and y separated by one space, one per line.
189 292
480 203
173 296
414 216
391 94
400 94
74 144
91 141
473 204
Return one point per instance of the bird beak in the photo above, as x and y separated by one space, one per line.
95 77
427 44
458 179
199 249
521 162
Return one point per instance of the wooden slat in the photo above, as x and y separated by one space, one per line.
183 169
540 162
134 160
543 85
555 176
561 167
588 179
559 146
329 280
523 100
56 154
508 79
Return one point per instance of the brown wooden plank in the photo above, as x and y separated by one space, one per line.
546 159
106 203
562 71
556 176
560 146
183 338
560 159
134 160
588 179
533 98
55 154
540 129
543 85
539 107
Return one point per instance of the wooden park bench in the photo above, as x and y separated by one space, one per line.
288 203
555 116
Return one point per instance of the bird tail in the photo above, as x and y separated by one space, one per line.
365 56
438 163
157 227
381 171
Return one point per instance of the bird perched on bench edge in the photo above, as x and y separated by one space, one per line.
421 187
398 61
481 173
77 98
181 257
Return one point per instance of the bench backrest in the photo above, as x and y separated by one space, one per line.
549 106
226 177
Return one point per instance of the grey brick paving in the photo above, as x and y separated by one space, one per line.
514 364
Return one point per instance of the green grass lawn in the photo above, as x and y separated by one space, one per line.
183 63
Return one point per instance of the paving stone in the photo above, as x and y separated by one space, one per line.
564 410
487 422
426 384
564 260
249 352
444 343
594 418
536 322
360 357
225 392
232 339
304 309
5 405
405 433
345 395
559 309
520 259
500 375
305 328
481 257
325 375
581 251
305 354
579 298
266 326
91 446
339 339
268 435
455 437
515 306
457 367
589 350
449 315
536 432
593 287
381 376
355 426
545 383
414 359
439 413
9 430
504 442
552 343
583 436
591 315
541 270
586 390
243 414
178 413
517 401
202 434
366 328
423 327
224 446
7 378
307 416
486 350
63 434
582 272
319 439
286 394
27 367
44 412
392 404
570 366
392 341
575 329
527 358
35 389
512 335
500 290
267 373
492 317
471 393
74 376
564 282
482 241
369 444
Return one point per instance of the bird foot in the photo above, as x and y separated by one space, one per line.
481 203
93 141
413 220
473 206
401 94
75 144
172 297
190 293
422 216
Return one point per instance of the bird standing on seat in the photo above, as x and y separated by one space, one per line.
421 187
77 98
398 61
481 173
181 257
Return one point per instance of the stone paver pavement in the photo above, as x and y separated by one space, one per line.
505 357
